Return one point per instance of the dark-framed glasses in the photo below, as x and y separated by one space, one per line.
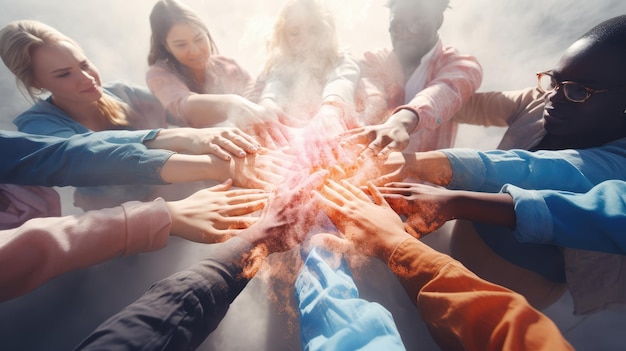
574 92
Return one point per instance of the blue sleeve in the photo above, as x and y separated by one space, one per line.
82 160
332 316
591 221
570 170
179 312
41 123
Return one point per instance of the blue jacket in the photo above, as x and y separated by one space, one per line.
101 158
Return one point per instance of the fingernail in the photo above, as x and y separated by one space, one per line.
242 153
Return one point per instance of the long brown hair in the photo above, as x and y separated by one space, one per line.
19 39
164 15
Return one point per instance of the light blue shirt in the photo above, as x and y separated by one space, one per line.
595 220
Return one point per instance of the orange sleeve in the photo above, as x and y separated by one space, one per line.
463 311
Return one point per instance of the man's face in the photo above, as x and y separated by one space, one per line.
413 27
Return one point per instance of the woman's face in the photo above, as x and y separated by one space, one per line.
64 70
302 32
601 116
189 45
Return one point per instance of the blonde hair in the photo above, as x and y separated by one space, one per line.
277 47
18 41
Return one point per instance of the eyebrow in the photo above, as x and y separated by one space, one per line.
67 68
176 41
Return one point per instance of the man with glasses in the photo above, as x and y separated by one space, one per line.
579 104
408 96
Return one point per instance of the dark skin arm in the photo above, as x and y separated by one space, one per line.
428 207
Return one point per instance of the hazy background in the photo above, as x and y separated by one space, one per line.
512 39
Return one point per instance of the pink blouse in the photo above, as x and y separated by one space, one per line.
223 76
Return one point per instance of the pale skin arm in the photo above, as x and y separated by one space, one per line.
205 110
215 214
261 171
222 142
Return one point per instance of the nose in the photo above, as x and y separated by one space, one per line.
557 94
87 75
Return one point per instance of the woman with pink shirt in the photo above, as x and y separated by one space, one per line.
199 87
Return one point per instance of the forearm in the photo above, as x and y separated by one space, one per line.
180 311
490 170
431 166
190 168
43 248
463 311
498 209
205 110
40 160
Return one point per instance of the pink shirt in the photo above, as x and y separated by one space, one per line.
223 76
44 248
451 78
20 203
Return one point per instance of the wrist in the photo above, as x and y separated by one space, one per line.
407 117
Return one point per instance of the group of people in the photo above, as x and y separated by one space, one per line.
328 153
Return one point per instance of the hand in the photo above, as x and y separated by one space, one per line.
215 214
372 226
263 170
257 120
388 168
288 215
427 207
222 142
393 135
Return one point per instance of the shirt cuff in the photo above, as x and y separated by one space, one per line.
468 169
534 221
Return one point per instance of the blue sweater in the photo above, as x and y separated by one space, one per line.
102 158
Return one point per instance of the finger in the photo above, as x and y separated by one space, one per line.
232 147
271 177
376 195
400 185
394 191
245 140
223 186
240 222
355 190
242 195
367 153
332 210
392 147
345 193
355 136
246 208
314 181
331 193
219 152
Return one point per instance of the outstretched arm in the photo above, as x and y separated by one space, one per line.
462 311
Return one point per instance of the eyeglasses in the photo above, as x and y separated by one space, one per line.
397 28
574 92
